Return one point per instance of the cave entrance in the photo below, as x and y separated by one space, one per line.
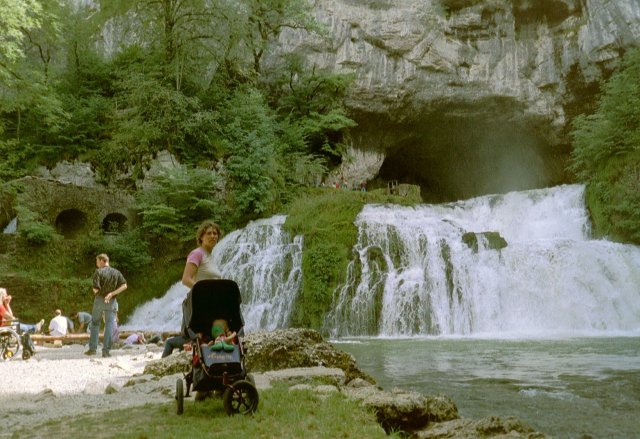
114 223
71 223
461 152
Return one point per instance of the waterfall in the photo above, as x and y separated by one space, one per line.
267 265
521 263
416 272
265 262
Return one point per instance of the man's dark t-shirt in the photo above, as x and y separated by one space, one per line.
107 279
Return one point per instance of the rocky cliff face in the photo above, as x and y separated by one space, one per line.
466 97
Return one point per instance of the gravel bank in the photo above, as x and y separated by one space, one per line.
59 382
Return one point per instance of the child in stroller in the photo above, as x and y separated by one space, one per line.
216 366
223 338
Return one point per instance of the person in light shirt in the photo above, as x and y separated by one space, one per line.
58 325
200 263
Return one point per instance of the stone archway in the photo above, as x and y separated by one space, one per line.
114 223
71 222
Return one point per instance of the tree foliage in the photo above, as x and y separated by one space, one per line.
606 154
115 82
178 200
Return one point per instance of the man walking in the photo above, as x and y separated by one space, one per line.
107 284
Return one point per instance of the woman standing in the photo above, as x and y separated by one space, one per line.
200 263
199 266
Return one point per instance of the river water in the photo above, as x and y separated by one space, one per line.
564 387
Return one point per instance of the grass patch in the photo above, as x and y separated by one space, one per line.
281 414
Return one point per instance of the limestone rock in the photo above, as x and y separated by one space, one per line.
76 173
400 410
290 348
491 427
492 240
180 362
111 388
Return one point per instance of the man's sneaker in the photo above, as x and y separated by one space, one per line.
90 352
106 354
39 326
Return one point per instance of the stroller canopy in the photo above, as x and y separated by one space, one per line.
209 300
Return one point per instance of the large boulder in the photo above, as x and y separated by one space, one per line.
401 410
291 348
490 427
180 362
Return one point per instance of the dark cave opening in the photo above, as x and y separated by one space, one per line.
114 223
461 152
71 223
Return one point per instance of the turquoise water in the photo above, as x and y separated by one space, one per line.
566 388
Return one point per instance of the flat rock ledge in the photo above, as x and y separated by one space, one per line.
304 360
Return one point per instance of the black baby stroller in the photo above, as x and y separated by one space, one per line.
216 370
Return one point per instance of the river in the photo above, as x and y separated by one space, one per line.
564 387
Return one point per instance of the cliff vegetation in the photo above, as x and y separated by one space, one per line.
606 155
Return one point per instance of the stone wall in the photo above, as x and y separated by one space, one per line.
75 209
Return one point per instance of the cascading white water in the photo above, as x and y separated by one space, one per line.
264 261
267 265
414 273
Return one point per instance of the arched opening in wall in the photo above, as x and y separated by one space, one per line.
114 223
71 223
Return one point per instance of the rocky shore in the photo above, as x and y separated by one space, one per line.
60 382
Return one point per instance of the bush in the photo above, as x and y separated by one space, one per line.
606 154
178 201
127 251
33 229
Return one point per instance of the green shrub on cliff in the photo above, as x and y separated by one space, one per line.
606 154
34 229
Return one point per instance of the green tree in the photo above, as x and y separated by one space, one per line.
16 17
153 117
178 200
250 145
30 108
606 154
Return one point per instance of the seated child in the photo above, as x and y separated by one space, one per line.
223 339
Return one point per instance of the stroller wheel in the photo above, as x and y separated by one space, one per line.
179 396
241 397
26 354
9 344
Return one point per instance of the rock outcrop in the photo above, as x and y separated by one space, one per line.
467 97
289 348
